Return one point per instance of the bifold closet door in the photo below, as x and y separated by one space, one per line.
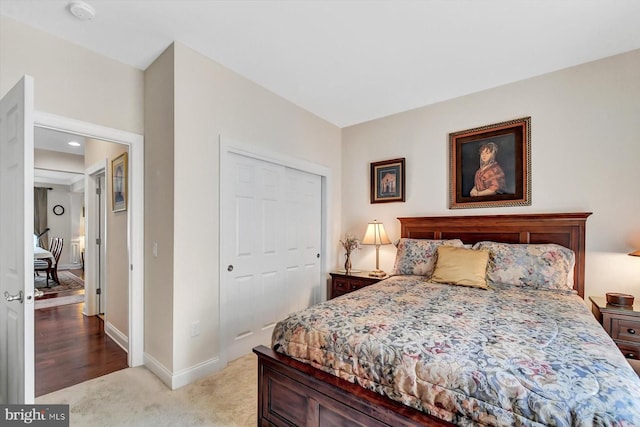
270 234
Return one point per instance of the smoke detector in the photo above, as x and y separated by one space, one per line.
82 10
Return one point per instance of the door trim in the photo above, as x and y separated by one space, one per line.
91 231
135 216
230 145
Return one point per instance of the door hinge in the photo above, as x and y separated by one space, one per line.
99 291
98 241
98 191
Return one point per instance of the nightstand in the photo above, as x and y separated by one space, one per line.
622 324
342 283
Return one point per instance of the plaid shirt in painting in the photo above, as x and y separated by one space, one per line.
491 178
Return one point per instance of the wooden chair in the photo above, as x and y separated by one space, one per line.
42 265
48 265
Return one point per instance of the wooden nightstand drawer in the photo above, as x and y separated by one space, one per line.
344 283
622 324
625 329
630 351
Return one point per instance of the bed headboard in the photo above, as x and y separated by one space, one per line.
566 229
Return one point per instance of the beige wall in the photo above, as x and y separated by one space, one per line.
159 207
584 149
60 226
211 100
117 253
71 81
55 160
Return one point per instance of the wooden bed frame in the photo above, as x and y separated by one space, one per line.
291 393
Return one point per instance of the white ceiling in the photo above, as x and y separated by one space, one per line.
54 140
352 61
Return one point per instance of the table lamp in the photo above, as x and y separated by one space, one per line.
375 235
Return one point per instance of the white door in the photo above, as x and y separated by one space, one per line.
302 216
270 246
17 382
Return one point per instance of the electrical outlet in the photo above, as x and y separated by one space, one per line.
195 328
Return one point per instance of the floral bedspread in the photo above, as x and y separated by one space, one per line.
500 357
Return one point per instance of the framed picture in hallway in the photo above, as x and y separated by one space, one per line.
490 166
387 181
119 182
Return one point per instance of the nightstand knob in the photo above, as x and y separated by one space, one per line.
631 331
630 355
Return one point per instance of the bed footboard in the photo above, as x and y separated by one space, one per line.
291 393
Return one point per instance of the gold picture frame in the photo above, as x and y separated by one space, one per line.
119 183
490 166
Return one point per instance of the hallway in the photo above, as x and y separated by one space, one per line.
71 348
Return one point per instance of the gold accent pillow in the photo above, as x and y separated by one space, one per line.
461 266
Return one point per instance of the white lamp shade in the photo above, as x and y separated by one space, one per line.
375 235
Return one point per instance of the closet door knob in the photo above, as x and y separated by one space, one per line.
230 267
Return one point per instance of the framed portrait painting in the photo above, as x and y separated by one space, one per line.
388 181
490 166
119 180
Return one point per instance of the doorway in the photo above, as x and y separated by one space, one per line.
133 341
86 217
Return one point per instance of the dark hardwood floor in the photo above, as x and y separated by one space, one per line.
71 348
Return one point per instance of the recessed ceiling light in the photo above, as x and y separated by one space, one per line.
74 143
82 10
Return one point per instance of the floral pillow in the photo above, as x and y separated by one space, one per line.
418 256
547 266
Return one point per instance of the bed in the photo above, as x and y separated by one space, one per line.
414 349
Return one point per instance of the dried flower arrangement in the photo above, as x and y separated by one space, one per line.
350 243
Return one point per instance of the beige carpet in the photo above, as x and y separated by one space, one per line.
135 397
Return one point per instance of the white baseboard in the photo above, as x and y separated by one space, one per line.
121 339
193 373
183 377
158 369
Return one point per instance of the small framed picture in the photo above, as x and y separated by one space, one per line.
490 166
388 181
119 183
